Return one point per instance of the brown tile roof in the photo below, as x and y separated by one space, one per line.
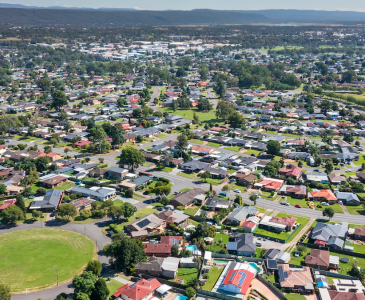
318 258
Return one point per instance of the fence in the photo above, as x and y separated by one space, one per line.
174 284
344 252
217 295
276 239
273 289
336 275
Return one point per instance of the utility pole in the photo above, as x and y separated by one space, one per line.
57 275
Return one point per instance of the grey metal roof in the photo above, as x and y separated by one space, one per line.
240 213
51 200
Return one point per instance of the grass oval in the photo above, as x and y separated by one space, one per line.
30 259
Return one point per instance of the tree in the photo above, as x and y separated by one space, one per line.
100 291
300 164
11 214
131 157
129 210
127 252
41 163
190 292
273 147
2 189
348 138
175 250
115 212
36 214
27 192
95 267
20 203
205 175
182 142
253 198
59 99
328 212
329 166
47 149
85 214
238 200
236 120
67 211
4 292
84 283
81 296
195 118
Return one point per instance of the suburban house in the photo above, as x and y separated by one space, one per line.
359 234
331 235
186 198
194 166
348 198
201 150
278 224
7 203
337 179
158 266
246 179
242 244
237 281
82 203
317 177
269 184
240 215
115 173
136 183
322 260
49 202
295 280
141 290
158 250
271 253
220 173
13 190
215 203
53 181
323 195
290 172
98 193
294 191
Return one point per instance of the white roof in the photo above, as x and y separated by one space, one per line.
335 260
187 259
163 289
208 255
170 264
266 221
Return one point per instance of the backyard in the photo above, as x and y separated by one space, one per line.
214 274
187 274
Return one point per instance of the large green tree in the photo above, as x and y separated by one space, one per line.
132 158
100 291
4 292
67 211
85 283
11 214
59 99
273 147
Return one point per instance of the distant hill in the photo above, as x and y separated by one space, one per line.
38 16
17 14
9 5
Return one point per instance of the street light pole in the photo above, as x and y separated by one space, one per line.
57 275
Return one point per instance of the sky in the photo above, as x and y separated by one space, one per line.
353 5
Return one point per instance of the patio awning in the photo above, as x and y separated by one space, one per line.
163 289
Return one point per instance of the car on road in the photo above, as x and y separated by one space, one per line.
258 244
176 193
140 145
324 203
253 154
342 164
348 171
223 194
316 170
359 170
160 208
285 203
297 206
337 168
7 141
237 191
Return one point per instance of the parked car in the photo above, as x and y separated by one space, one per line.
324 203
348 171
223 193
253 154
285 203
258 244
316 170
296 253
297 206
237 191
337 168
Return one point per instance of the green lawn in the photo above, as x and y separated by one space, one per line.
251 151
191 211
188 175
295 297
301 220
188 114
66 251
214 181
214 274
196 141
65 186
165 169
336 207
186 189
187 274
113 286
361 160
236 148
356 210
216 145
220 236
218 244
162 135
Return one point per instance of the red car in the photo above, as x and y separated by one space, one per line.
298 206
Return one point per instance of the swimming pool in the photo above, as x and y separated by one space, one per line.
253 265
180 297
192 248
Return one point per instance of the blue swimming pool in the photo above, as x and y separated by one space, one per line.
180 297
192 248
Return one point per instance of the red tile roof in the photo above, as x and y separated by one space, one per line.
157 248
249 224
167 239
7 203
139 289
294 171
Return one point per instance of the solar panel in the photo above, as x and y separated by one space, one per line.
77 203
243 277
143 223
174 242
281 274
232 275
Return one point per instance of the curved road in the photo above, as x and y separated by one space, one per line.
91 230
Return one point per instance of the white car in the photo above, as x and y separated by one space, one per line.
237 191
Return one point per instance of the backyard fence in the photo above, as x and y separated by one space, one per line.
276 239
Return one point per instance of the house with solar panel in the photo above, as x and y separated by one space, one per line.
49 202
295 280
